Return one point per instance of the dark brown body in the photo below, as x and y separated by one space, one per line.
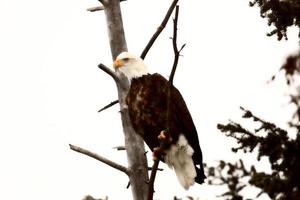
147 104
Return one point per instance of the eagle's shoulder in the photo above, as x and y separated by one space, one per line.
158 77
149 80
149 76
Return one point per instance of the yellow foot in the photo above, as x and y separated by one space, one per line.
162 135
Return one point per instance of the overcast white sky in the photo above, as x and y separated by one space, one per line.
51 89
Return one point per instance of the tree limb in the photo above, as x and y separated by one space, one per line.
175 48
100 158
120 148
162 143
137 169
152 179
109 72
109 105
134 144
94 9
159 169
115 28
159 29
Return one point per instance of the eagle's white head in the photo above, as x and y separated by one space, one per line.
130 65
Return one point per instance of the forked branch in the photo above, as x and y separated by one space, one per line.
159 29
175 49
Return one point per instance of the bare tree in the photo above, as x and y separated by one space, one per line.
137 169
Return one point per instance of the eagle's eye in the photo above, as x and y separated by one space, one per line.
126 59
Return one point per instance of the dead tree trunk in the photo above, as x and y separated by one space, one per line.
137 169
137 162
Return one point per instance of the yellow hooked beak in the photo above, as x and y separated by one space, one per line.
117 63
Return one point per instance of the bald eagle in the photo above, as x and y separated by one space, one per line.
147 106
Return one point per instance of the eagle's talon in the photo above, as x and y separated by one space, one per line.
162 135
154 158
165 136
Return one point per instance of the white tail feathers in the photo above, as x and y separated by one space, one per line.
179 157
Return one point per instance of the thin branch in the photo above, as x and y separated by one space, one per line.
175 48
158 169
109 105
128 185
109 72
94 9
159 29
99 158
162 143
152 179
120 148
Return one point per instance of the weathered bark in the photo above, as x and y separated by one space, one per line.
115 27
137 162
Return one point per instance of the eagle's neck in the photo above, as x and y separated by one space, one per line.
135 70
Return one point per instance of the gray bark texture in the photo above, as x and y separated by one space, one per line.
134 144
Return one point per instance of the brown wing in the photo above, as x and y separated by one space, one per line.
147 104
